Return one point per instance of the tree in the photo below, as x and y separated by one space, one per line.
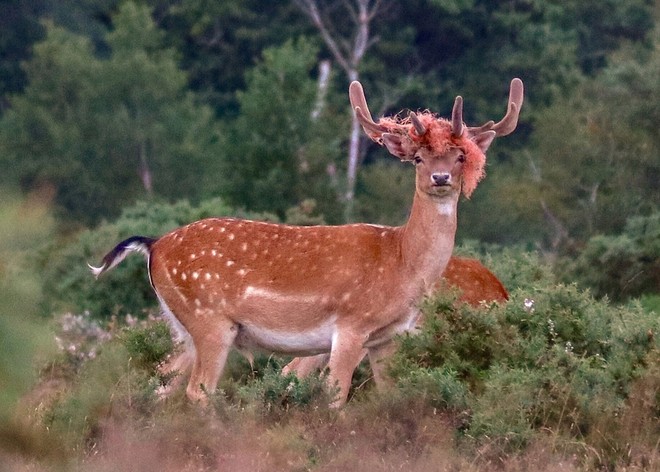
19 23
220 41
348 53
276 153
103 132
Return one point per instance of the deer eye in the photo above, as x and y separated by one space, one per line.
417 160
461 158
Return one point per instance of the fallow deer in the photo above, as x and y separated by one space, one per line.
474 282
226 282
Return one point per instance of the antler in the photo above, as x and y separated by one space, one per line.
457 117
420 129
359 104
507 124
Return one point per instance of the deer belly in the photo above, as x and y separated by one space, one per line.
307 341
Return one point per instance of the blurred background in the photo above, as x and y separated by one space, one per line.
133 117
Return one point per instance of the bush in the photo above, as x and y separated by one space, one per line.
552 360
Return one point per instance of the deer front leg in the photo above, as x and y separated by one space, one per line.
212 346
346 354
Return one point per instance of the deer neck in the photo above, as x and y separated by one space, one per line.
427 239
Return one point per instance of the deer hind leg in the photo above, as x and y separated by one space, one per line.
175 369
346 354
212 345
378 357
302 367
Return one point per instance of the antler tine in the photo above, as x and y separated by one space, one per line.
457 117
359 104
510 120
420 129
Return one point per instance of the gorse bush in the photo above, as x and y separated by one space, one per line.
553 358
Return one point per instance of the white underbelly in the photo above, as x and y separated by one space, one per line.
312 340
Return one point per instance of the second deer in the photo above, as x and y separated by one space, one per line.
225 282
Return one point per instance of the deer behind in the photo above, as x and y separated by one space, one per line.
226 282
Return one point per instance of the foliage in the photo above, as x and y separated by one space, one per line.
385 192
24 340
149 345
85 121
111 383
594 156
553 359
219 41
277 154
623 266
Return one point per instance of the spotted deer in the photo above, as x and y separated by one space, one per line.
303 291
473 281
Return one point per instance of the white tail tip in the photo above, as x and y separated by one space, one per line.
96 271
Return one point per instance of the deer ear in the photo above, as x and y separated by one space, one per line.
484 140
394 144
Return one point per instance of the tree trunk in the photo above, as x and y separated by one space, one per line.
145 172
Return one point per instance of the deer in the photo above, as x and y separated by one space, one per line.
474 283
308 290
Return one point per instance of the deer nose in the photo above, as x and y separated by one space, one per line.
440 178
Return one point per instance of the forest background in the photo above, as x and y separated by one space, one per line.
137 116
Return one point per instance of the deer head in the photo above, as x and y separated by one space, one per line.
425 138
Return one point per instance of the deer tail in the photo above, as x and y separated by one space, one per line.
133 244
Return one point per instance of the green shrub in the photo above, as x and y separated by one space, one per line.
553 358
149 345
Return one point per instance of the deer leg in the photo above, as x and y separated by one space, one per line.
176 368
378 357
302 367
345 356
212 347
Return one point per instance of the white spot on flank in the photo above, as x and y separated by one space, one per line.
244 247
222 229
214 252
183 276
207 276
192 256
174 271
241 272
195 275
231 236
230 263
